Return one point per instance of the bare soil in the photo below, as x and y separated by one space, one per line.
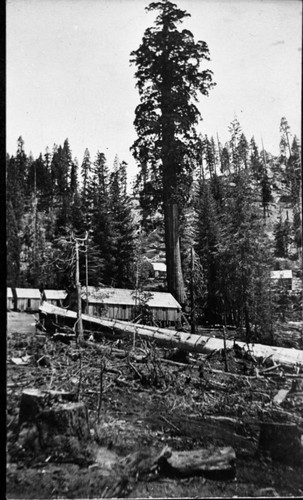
137 404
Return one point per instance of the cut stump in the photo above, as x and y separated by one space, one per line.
56 420
66 419
281 441
33 401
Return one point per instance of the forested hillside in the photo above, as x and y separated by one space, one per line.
241 220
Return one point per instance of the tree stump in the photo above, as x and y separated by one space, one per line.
281 441
33 401
65 419
47 418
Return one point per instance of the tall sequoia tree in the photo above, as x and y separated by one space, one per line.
169 76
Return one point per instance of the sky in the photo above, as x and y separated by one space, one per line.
68 73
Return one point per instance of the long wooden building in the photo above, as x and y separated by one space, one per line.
118 303
30 299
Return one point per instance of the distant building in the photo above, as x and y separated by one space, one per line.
118 303
283 274
159 269
55 297
28 299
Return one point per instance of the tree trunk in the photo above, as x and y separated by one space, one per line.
173 257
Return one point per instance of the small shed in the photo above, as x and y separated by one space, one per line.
282 274
9 299
28 299
54 297
118 303
159 269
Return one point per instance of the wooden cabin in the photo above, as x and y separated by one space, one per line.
9 299
118 303
159 269
284 276
28 299
54 297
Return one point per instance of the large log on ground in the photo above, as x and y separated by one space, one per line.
214 463
281 441
170 338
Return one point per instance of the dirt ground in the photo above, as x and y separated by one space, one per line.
140 401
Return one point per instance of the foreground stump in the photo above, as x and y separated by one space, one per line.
68 419
49 420
281 441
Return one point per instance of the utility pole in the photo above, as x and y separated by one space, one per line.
192 301
80 335
35 225
86 272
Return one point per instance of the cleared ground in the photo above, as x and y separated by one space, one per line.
144 403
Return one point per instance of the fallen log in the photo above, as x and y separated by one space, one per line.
182 340
214 463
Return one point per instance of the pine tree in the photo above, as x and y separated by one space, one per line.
266 193
86 172
16 174
243 149
285 138
207 239
255 160
243 258
169 77
13 247
122 235
99 219
282 231
61 166
76 210
225 160
209 155
234 143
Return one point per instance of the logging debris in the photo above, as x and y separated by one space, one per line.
147 403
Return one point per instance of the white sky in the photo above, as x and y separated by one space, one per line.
68 71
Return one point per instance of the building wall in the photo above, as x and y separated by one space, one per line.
9 303
125 313
24 304
55 302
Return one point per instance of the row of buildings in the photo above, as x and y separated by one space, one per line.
115 303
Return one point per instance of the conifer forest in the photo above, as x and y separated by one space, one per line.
240 219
